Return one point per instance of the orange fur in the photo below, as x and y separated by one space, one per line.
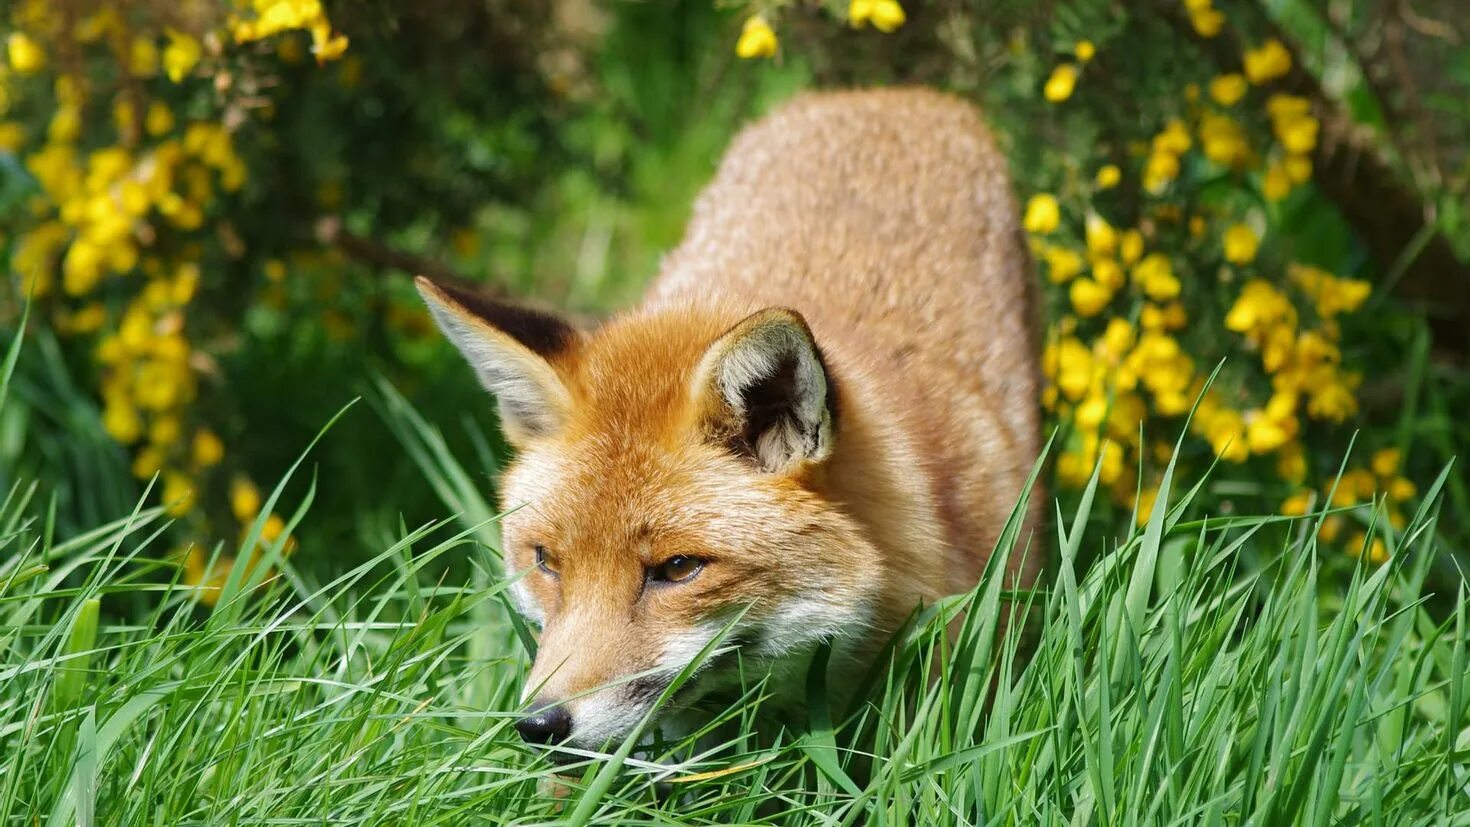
885 219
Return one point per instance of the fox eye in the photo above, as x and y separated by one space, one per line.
544 561
675 569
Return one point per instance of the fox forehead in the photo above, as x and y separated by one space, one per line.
635 498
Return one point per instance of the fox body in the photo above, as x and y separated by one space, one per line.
819 418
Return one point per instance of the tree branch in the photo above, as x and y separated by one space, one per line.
331 233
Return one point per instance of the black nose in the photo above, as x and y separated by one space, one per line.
549 723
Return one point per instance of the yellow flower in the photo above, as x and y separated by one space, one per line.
1145 505
164 431
1401 489
1292 122
1169 317
1073 470
1291 463
1207 22
1377 551
180 55
272 530
1227 90
1043 214
1091 412
887 16
1277 183
1385 463
244 499
1108 273
178 494
1174 140
1089 297
1062 82
148 462
208 449
82 268
1117 338
159 119
1265 64
1130 246
26 55
1259 307
1226 434
1129 410
1062 264
1108 177
1224 141
1111 463
1332 400
1264 434
1084 50
1159 170
1156 276
1070 362
1240 243
1332 295
757 39
1331 529
1297 504
1298 168
1102 240
1357 485
325 45
1298 135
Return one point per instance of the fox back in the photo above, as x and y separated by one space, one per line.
820 417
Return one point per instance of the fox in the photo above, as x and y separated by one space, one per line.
818 418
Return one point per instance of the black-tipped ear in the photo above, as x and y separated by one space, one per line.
509 348
765 390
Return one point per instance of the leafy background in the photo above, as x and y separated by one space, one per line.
212 210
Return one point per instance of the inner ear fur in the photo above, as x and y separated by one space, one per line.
511 349
764 390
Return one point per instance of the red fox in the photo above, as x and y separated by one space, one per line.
820 416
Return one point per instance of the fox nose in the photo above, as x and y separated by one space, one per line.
548 723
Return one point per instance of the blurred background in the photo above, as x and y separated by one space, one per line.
215 208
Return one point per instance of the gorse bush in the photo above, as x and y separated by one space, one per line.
1159 687
1202 273
128 117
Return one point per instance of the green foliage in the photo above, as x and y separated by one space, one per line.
1208 663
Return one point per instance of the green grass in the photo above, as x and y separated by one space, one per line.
1163 685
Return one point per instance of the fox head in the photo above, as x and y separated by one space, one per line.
666 488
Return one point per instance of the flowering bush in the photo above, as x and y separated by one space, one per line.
127 118
1146 281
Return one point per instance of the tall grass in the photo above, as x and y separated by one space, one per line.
1164 685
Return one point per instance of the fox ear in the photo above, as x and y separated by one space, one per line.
509 348
765 391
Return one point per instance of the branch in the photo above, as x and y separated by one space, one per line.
331 233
